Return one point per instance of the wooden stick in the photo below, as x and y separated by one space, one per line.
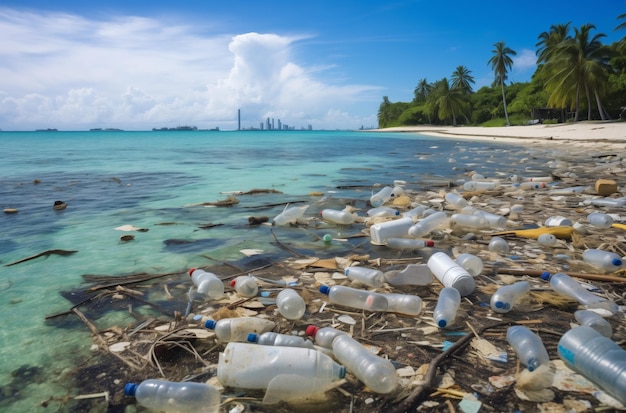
538 273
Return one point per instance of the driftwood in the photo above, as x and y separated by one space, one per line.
42 254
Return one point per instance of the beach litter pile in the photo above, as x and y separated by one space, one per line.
488 294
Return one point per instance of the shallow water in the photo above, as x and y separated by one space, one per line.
154 180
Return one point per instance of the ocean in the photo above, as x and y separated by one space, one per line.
161 182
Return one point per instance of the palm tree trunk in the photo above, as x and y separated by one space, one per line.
506 113
604 115
588 101
577 103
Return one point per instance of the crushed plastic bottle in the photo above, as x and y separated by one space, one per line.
471 263
238 328
597 358
479 185
368 276
504 299
493 220
432 222
566 285
208 285
271 338
290 304
245 286
451 274
355 298
170 396
290 215
447 307
412 274
528 347
590 319
338 217
605 260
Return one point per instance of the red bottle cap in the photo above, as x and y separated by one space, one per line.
430 243
191 271
311 330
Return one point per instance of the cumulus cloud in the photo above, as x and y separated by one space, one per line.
525 61
67 71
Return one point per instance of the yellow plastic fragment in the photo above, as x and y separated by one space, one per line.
620 226
563 232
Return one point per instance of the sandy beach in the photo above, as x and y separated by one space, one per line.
595 134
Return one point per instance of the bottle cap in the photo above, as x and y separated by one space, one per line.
210 324
430 243
499 304
191 271
442 323
130 389
311 330
342 372
324 289
232 283
253 338
617 262
545 276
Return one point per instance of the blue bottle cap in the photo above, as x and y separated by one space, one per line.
253 338
617 262
342 372
499 304
210 324
130 389
442 323
324 289
545 276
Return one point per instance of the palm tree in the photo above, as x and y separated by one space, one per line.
422 90
622 26
462 79
500 63
383 112
548 41
448 101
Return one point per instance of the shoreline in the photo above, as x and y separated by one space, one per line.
587 135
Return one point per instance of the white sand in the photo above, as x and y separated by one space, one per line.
594 134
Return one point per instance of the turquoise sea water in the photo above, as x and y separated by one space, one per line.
154 180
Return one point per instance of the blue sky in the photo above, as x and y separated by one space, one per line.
75 65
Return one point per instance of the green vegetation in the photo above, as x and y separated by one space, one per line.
577 78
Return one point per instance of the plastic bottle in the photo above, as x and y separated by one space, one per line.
593 320
169 396
479 186
237 329
290 215
271 338
472 264
499 245
493 220
566 285
532 185
417 212
538 179
600 220
398 228
250 366
207 284
609 202
381 197
245 286
451 274
597 358
468 221
547 240
338 217
377 373
447 307
323 336
456 200
412 274
403 303
355 298
398 190
504 299
528 347
432 222
408 243
290 304
606 260
383 212
368 276
558 221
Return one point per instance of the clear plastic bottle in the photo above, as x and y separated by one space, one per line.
493 220
558 221
504 299
169 396
338 217
456 200
245 286
468 221
532 185
609 202
432 222
355 298
412 274
600 220
479 186
250 366
451 274
499 245
528 347
381 197
398 190
403 303
368 276
398 228
271 338
566 285
597 358
290 304
593 320
238 328
324 336
538 179
471 263
377 373
447 307
290 215
408 243
208 285
605 260
383 212
546 240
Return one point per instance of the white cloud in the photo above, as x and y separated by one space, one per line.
525 61
67 71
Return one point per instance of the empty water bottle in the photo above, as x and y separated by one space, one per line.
479 185
355 298
207 284
412 274
290 304
338 217
597 358
468 221
250 366
271 338
398 228
547 240
368 276
408 243
493 220
377 373
528 347
427 225
605 260
451 274
566 285
403 303
245 286
593 320
324 336
447 307
504 299
558 221
456 200
471 263
169 396
600 220
383 212
499 245
238 328
381 197
290 215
